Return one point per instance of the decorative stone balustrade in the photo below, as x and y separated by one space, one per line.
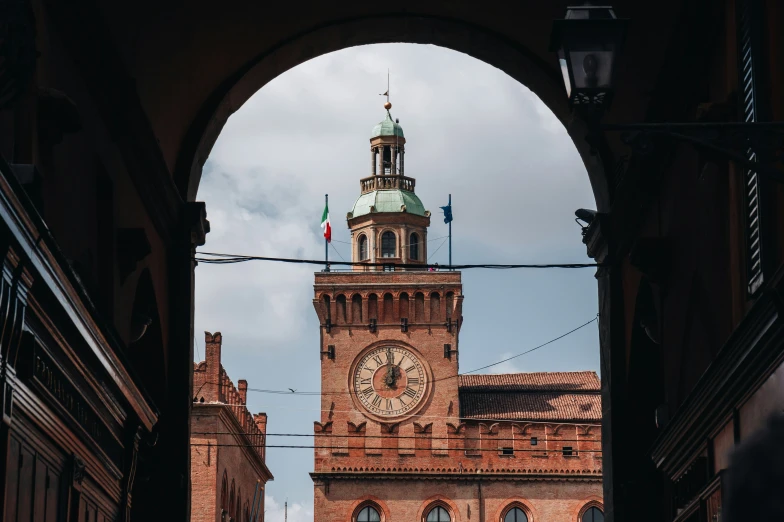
387 182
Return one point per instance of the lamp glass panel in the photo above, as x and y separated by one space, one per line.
592 69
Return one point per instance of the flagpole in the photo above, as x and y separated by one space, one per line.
326 242
450 234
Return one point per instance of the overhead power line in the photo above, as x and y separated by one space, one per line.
497 450
223 259
424 436
535 348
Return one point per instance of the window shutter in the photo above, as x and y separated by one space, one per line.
747 54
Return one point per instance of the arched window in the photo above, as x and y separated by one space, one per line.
224 503
515 515
593 514
231 499
368 514
438 514
413 246
363 248
388 246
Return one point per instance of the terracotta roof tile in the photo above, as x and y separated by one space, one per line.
553 396
521 406
538 381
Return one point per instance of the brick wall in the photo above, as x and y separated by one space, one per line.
227 444
434 454
466 500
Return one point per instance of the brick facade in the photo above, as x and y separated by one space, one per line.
227 444
475 445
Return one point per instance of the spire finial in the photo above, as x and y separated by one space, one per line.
387 105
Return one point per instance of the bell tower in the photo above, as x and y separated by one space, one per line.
388 222
389 334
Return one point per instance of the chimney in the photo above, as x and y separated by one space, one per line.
261 422
212 356
242 385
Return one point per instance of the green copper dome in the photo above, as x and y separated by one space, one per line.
388 201
387 128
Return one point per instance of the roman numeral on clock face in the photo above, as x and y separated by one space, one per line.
366 380
411 392
413 380
377 401
410 368
378 360
388 405
367 392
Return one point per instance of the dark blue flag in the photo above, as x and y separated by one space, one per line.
447 213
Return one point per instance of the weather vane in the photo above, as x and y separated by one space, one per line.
387 105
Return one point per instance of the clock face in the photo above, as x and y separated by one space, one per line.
390 381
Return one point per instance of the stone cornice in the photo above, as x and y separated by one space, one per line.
522 477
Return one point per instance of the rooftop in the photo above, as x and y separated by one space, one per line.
536 381
552 396
387 127
394 200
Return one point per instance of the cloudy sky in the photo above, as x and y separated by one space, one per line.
515 179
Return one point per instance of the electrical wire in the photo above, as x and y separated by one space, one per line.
403 245
262 446
336 251
389 437
535 348
437 249
220 259
417 416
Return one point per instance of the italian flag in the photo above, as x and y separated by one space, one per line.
326 225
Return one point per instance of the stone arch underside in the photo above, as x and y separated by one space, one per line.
541 77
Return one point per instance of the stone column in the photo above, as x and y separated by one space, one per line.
372 245
404 246
393 167
402 157
373 160
170 485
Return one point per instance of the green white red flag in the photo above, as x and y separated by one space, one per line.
325 224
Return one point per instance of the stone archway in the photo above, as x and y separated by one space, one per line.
458 35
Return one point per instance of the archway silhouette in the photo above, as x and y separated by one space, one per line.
485 45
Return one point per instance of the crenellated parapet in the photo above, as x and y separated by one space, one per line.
212 385
460 447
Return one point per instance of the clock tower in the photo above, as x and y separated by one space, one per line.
395 441
389 333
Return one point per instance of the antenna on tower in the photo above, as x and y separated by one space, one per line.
286 511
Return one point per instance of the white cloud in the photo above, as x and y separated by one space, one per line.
512 366
514 175
297 511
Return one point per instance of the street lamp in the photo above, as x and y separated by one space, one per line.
587 41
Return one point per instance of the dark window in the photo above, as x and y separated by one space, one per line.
594 514
388 244
507 451
368 514
534 441
516 515
387 160
413 247
363 249
438 514
567 451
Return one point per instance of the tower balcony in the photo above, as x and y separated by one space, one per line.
386 182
